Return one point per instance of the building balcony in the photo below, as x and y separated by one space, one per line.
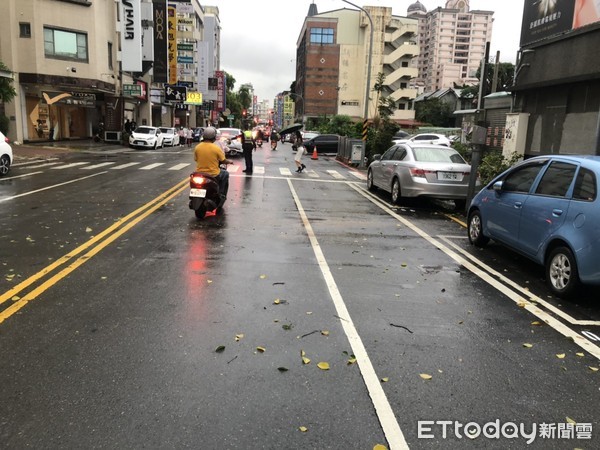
405 50
402 72
405 94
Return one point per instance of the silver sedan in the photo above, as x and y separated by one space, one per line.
415 170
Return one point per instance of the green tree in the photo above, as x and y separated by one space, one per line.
7 94
435 112
382 129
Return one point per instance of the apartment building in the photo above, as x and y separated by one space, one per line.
75 75
452 43
332 62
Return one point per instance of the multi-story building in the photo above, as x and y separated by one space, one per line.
332 70
452 42
75 74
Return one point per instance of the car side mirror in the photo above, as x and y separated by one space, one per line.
377 157
497 186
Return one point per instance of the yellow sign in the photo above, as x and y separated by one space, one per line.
193 98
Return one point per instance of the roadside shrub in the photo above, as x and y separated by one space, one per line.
493 163
4 124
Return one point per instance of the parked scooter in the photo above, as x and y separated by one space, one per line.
204 194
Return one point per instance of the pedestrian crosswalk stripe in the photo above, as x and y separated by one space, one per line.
95 166
43 165
260 170
179 166
335 174
123 166
312 173
358 175
233 168
68 166
151 166
285 171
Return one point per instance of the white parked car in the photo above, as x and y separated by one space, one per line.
146 137
426 138
6 154
170 136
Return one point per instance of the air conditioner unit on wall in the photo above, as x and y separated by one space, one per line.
112 136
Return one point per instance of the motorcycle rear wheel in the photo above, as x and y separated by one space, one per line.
200 212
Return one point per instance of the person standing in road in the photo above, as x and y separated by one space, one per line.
248 146
209 157
189 137
299 152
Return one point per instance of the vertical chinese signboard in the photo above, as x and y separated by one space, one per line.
161 68
172 43
220 104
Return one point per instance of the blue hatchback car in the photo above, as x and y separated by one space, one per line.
547 209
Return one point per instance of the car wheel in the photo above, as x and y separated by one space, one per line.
475 230
396 192
561 272
370 185
4 164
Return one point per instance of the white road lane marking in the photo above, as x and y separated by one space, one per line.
179 166
20 176
68 166
528 294
383 409
312 173
259 170
285 171
39 166
35 161
123 166
151 166
95 166
359 175
233 168
577 338
335 174
50 187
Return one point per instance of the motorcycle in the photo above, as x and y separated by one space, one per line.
273 144
259 142
205 194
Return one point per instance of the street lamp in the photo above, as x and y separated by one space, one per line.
370 57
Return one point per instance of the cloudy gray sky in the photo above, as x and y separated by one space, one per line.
258 37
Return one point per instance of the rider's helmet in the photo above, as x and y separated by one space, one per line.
210 133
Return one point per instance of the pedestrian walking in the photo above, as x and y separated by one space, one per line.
189 137
248 146
299 143
181 133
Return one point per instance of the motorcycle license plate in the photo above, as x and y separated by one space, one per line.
198 193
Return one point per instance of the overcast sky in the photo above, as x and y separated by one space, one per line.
258 37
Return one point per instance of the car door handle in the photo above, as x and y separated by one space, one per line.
557 212
518 205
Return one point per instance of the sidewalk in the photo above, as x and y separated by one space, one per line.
48 150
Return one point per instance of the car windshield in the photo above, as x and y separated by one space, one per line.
434 154
229 132
144 130
167 130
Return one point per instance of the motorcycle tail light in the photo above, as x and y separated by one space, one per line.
197 180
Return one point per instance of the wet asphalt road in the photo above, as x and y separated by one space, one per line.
114 300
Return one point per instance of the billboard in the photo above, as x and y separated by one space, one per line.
172 42
131 35
545 18
160 70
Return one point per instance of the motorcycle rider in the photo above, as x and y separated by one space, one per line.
209 156
274 138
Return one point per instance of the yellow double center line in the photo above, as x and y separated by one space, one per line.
95 245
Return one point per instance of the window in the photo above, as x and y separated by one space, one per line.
110 56
521 179
64 44
321 35
557 180
24 30
389 154
585 186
